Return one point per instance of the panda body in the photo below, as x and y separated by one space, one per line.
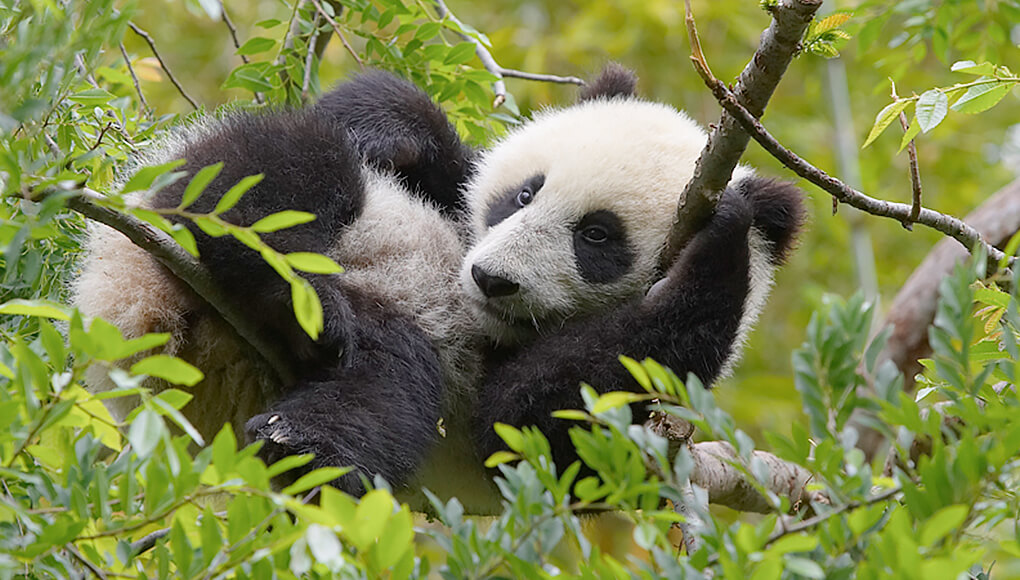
470 296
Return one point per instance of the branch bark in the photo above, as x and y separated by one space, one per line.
266 353
727 141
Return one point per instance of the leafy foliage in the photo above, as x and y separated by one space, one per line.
84 494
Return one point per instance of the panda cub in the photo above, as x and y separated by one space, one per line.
478 287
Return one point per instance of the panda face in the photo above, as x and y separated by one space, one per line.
570 213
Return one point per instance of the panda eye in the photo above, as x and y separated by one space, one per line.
595 234
524 197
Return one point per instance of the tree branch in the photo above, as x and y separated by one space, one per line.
714 471
265 353
727 142
948 225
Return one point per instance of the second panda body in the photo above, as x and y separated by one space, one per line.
470 297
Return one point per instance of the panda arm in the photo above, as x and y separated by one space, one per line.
308 164
690 325
397 127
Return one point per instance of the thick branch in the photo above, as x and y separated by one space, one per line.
714 471
726 142
267 353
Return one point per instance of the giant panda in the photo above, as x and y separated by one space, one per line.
480 287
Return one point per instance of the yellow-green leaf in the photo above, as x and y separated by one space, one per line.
885 117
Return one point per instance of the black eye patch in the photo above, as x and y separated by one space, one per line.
514 199
600 247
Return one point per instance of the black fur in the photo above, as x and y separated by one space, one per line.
778 212
309 164
377 412
369 391
614 81
607 256
398 127
508 204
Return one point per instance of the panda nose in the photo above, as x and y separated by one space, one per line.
492 286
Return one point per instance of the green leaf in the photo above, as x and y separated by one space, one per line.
41 308
312 262
287 463
168 368
324 545
256 45
224 450
982 97
282 220
931 109
804 567
312 479
885 117
253 76
972 68
145 432
210 226
912 131
501 457
942 523
460 54
637 371
185 239
370 518
307 308
571 415
794 543
615 399
198 183
512 436
233 195
144 177
92 97
427 31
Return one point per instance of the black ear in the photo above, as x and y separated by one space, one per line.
615 80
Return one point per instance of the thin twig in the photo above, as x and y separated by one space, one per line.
822 518
85 70
915 177
71 549
233 31
336 29
543 78
948 225
259 98
309 59
155 52
147 111
490 64
148 542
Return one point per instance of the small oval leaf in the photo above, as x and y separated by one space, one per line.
931 109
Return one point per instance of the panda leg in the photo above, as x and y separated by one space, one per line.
376 411
689 324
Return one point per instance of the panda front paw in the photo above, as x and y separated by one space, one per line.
279 436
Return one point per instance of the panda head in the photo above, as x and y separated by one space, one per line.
571 211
